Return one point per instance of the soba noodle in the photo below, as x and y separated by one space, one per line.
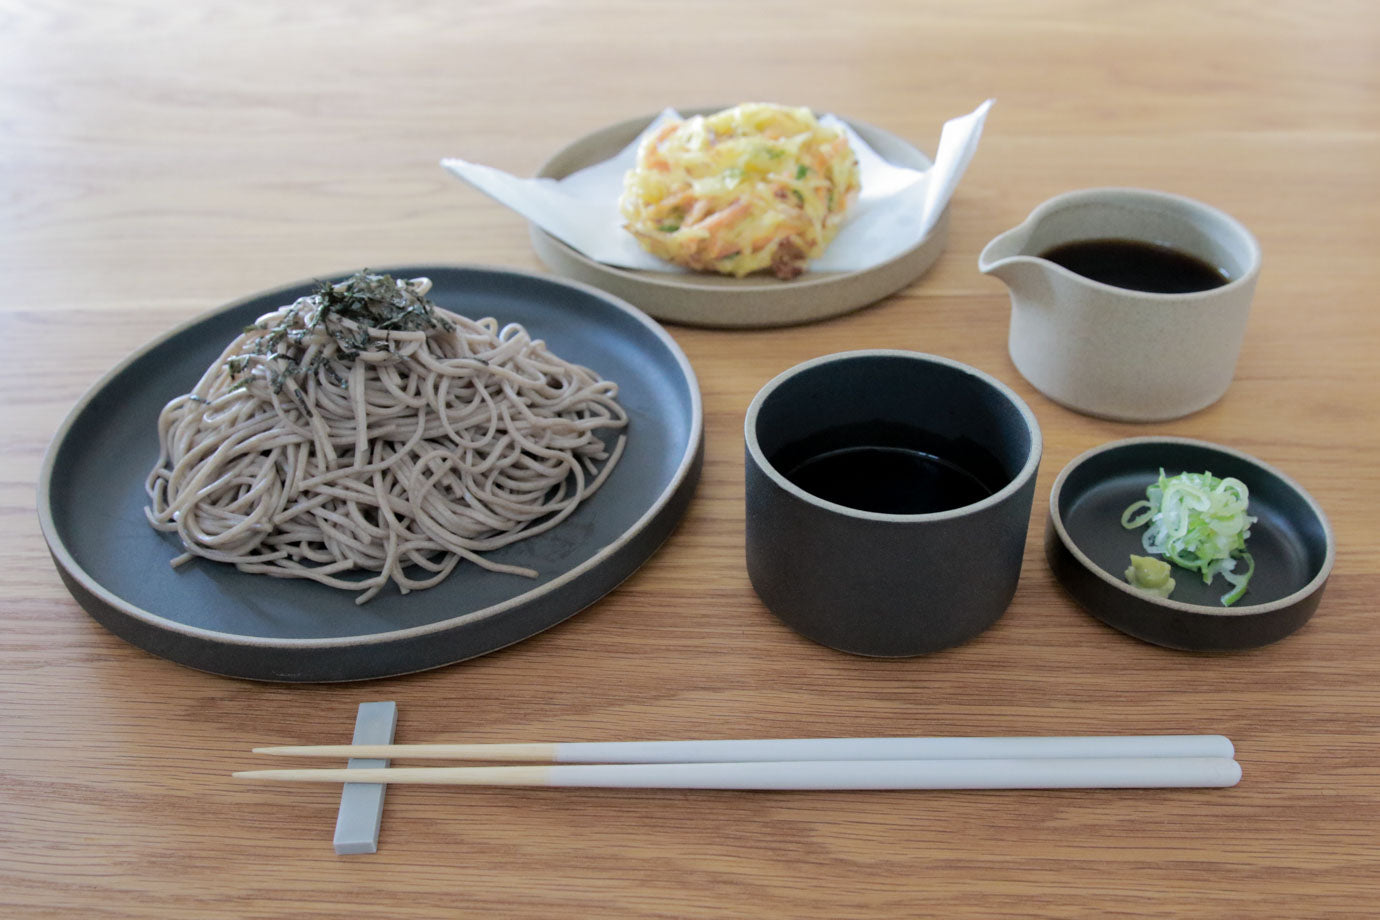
365 429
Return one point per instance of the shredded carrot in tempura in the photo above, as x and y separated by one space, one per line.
750 188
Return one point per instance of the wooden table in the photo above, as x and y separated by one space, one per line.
157 160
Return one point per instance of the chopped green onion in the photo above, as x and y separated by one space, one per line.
801 171
1198 522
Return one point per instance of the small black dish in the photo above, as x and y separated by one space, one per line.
1088 548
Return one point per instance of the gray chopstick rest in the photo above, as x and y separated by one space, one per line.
361 804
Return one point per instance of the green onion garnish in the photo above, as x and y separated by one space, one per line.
1198 522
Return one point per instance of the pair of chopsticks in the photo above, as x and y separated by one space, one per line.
1089 762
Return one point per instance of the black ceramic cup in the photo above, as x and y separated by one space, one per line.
888 500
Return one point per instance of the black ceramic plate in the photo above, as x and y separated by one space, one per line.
1089 550
212 617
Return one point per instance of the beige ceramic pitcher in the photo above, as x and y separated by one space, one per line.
1114 352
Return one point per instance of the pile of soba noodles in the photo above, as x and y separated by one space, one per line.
363 435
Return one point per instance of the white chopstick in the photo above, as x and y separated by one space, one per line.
790 749
959 773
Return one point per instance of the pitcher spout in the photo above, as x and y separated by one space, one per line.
1005 258
1018 271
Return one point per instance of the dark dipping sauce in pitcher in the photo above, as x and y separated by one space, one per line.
891 470
1137 265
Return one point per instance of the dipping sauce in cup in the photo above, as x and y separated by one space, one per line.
888 499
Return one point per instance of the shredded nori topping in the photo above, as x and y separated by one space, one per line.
352 312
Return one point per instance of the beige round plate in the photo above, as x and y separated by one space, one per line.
719 300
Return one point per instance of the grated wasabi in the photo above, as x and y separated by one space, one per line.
1150 575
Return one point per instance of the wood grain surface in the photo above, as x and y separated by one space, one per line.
158 159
